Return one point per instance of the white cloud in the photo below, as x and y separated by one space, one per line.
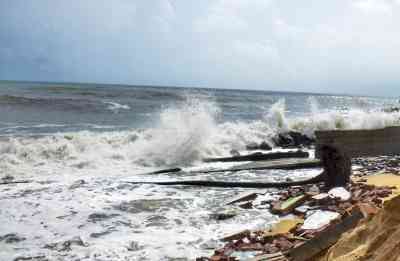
374 6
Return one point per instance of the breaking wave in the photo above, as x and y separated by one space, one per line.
116 107
184 134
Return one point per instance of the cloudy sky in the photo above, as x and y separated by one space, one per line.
338 46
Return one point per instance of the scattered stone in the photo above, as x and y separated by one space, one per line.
156 221
77 184
147 205
100 234
96 217
265 146
134 246
252 146
234 153
66 245
223 215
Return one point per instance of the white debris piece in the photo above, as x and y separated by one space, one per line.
319 218
341 193
320 196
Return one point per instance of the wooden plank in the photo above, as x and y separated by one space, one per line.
326 238
358 143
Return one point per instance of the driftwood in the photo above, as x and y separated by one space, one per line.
224 184
258 156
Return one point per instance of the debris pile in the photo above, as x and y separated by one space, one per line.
306 213
368 166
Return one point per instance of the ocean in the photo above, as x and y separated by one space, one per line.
80 143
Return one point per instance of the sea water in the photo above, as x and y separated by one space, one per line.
79 144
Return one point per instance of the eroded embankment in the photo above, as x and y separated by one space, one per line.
377 238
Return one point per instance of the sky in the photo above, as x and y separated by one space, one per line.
333 46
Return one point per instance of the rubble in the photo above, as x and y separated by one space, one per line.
317 218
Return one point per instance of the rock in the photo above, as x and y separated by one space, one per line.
293 139
262 146
282 243
252 146
96 217
66 245
77 184
100 234
223 215
156 221
148 205
7 178
11 238
234 153
134 246
265 146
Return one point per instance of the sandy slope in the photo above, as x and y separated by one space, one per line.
374 239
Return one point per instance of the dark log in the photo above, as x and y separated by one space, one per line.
261 156
224 184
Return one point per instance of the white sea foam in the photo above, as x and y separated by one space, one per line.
116 107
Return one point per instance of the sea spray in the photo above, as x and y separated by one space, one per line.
182 136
